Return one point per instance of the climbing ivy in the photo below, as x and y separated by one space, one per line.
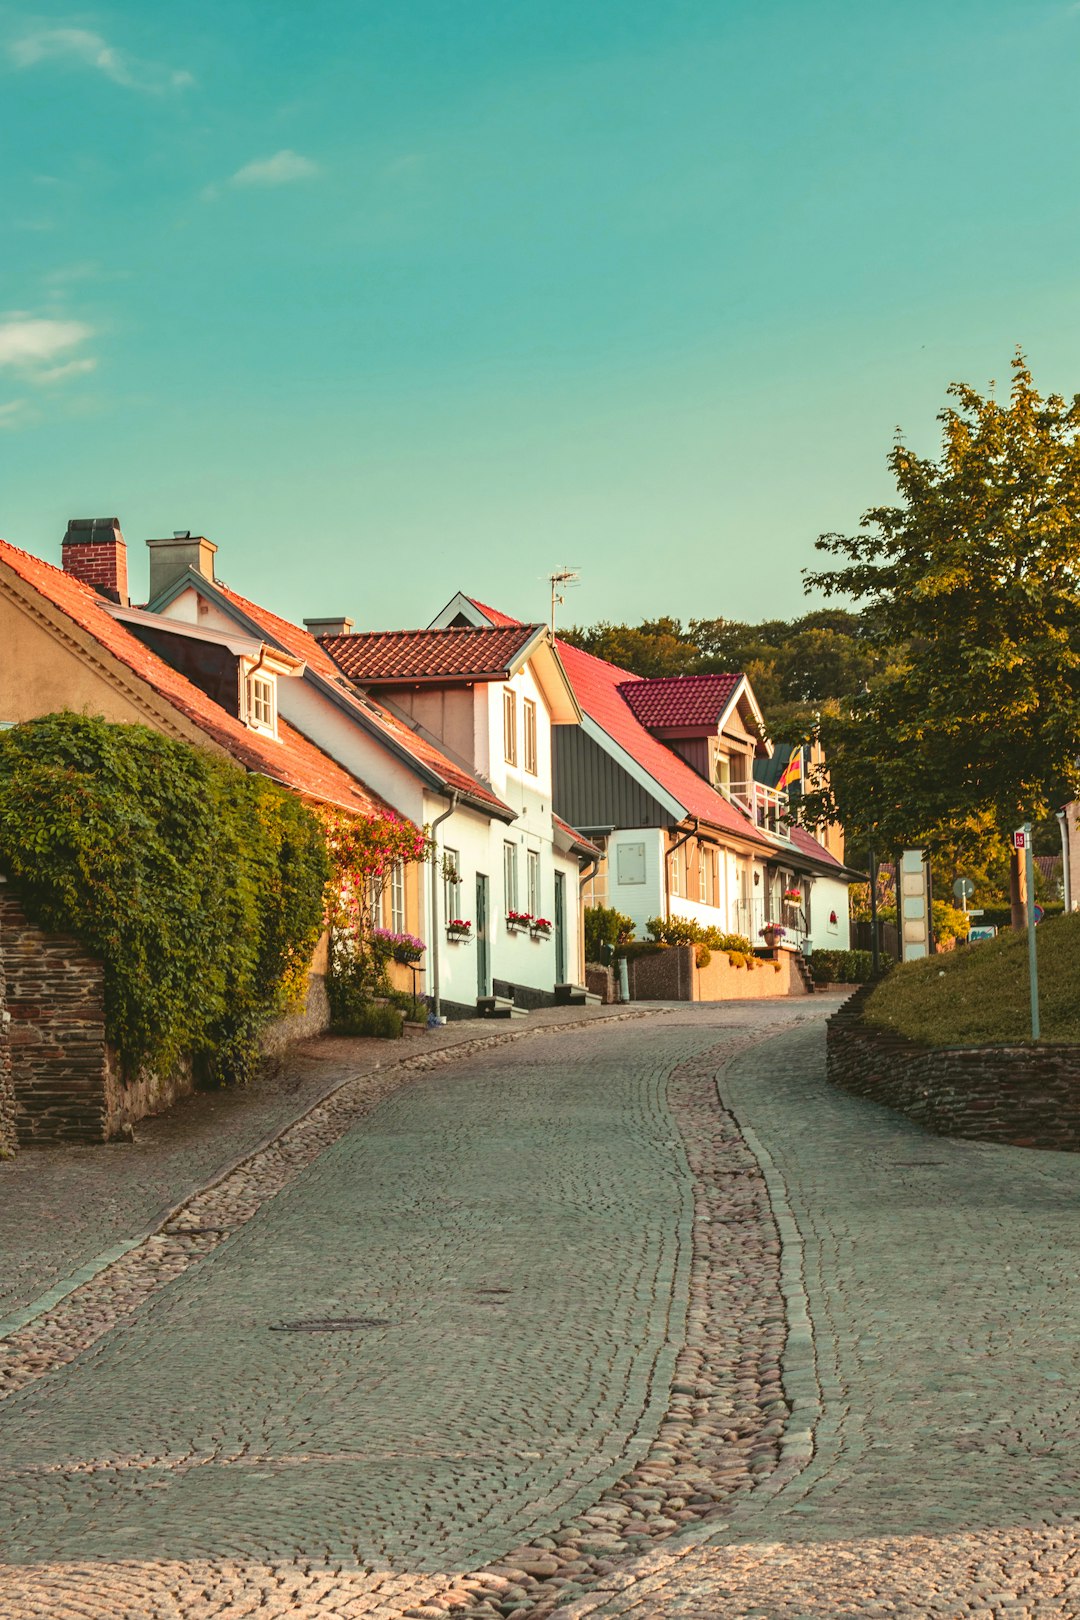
199 886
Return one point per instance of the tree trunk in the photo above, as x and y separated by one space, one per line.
1018 889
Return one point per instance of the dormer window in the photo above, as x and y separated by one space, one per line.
261 703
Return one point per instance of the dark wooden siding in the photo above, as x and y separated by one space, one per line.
591 790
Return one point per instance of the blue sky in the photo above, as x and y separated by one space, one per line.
392 297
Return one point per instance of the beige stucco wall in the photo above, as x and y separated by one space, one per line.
48 663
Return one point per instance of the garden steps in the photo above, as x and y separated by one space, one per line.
575 995
499 1007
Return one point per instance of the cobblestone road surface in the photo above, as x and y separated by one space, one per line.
198 1462
516 1237
941 1279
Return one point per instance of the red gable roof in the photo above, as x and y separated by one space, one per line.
674 702
302 644
601 691
292 760
492 614
394 656
806 844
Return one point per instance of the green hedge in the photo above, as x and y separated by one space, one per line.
841 967
199 886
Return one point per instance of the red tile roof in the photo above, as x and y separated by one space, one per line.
601 691
678 701
302 644
292 760
492 614
806 844
580 841
396 656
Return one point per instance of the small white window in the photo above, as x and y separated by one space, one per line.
703 870
397 898
534 882
529 709
676 871
452 885
510 752
260 702
510 876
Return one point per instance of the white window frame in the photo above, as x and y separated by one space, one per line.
452 887
703 876
529 728
532 864
510 738
676 872
510 876
261 693
397 898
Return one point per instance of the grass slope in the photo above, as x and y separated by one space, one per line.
978 994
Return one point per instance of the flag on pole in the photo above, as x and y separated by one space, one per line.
792 771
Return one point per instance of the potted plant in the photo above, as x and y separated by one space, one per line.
772 934
540 928
457 928
401 947
518 921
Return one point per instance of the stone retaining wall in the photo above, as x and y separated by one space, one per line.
60 1081
1021 1095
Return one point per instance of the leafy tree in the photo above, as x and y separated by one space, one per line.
972 588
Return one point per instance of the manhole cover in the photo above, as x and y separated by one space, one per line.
330 1324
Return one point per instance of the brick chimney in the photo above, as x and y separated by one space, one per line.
171 559
94 551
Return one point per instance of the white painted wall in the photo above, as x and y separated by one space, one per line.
639 901
826 896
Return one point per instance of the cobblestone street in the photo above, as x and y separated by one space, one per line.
623 1318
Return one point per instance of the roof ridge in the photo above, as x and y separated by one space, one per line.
438 630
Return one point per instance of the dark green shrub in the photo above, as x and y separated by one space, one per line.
199 886
605 926
375 1018
841 967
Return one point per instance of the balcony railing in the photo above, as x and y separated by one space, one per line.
766 807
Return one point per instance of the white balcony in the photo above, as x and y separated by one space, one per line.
766 807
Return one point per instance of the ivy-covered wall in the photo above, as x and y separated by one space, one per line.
199 887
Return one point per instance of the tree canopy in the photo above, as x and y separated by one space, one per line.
971 586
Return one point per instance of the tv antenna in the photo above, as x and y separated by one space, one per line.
562 579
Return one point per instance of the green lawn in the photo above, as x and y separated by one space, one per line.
979 993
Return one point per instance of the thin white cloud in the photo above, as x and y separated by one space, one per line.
11 413
39 348
87 49
280 170
72 368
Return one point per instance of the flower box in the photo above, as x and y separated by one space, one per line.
400 947
540 928
519 921
459 930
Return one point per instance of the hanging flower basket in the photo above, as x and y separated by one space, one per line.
793 897
540 928
400 947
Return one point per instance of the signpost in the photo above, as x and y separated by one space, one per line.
1022 840
963 889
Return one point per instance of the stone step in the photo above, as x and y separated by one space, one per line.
575 995
499 1007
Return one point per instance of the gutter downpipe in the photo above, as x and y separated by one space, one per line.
1066 875
587 873
674 850
436 1004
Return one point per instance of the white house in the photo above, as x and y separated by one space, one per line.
661 775
440 760
494 697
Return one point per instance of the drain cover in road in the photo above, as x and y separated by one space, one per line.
330 1324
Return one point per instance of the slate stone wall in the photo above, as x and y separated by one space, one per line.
1021 1095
